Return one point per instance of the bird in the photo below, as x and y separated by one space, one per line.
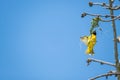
90 42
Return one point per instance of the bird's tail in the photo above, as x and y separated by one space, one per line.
90 51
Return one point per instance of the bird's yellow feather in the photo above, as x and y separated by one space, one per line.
90 41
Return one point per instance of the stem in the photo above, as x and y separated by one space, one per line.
113 19
115 42
99 61
107 6
106 16
106 75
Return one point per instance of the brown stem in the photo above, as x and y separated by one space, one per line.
106 75
106 16
115 42
107 6
99 61
113 19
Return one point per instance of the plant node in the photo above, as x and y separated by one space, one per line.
90 4
83 15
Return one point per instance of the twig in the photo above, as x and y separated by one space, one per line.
118 17
113 8
101 4
105 5
98 15
116 8
106 16
106 75
99 61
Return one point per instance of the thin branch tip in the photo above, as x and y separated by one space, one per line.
83 15
89 60
110 73
90 4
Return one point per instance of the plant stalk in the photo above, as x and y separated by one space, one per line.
115 40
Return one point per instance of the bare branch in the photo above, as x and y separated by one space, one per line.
106 16
116 54
98 15
106 75
104 5
116 8
99 61
118 17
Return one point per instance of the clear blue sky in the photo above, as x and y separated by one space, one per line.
40 40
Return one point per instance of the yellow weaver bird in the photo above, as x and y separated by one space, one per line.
90 42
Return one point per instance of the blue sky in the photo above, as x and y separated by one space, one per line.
40 40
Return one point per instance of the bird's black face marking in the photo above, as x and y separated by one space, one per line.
94 32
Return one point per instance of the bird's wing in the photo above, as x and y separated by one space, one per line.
84 39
